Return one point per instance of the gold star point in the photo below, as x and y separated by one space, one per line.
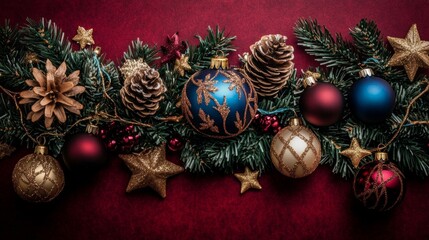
248 180
410 52
84 37
150 168
355 153
181 65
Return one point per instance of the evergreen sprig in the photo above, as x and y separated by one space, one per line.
343 60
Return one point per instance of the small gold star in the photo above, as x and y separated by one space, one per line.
5 150
410 52
248 180
150 168
84 37
181 65
355 152
31 57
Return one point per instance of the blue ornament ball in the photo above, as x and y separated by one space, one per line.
219 102
372 99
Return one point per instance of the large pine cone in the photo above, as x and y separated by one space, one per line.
143 90
270 64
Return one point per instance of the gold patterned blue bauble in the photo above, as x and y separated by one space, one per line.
219 102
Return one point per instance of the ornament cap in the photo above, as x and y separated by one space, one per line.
295 121
381 156
309 81
92 128
366 72
310 78
219 62
41 149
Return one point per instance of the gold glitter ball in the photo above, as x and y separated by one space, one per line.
38 177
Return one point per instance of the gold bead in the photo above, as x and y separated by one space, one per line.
97 50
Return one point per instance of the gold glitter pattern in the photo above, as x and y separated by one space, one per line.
205 88
355 153
295 151
207 123
248 180
150 168
410 52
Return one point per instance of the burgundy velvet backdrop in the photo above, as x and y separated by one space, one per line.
210 207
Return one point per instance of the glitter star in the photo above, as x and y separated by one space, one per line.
410 52
355 153
150 168
248 180
84 37
181 65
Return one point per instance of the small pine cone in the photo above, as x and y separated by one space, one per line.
270 64
143 91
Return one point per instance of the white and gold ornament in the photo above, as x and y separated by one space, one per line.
295 150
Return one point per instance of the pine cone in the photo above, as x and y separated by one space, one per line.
51 94
143 90
270 64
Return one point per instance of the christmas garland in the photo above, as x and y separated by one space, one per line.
183 98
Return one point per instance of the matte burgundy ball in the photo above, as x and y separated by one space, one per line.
84 152
321 104
379 186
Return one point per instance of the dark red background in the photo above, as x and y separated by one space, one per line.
210 207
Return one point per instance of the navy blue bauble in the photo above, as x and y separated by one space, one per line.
372 99
219 102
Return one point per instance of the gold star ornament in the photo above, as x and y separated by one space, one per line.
355 152
84 37
410 52
5 150
248 180
150 168
181 65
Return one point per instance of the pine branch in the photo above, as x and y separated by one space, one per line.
318 42
370 45
410 157
9 41
139 50
46 40
214 43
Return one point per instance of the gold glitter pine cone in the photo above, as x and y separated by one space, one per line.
270 64
143 90
51 94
